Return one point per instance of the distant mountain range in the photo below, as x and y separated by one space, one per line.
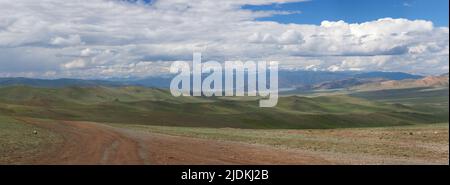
429 81
346 83
64 82
287 79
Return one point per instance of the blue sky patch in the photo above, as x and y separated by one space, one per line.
358 11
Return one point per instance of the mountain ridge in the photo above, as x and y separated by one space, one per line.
287 79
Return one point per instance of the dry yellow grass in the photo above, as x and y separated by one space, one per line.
419 144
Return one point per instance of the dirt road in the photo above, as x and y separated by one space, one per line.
94 143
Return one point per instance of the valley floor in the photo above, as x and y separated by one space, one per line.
96 143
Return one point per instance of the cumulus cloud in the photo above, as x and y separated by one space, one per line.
71 40
289 37
112 38
77 63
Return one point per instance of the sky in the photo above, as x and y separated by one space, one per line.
358 11
135 38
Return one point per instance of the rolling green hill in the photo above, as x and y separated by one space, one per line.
138 105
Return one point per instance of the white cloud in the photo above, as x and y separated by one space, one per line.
107 37
77 63
87 52
71 40
291 37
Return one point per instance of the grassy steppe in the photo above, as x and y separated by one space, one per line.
18 141
402 122
416 144
136 105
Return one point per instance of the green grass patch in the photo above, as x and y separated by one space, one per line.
18 142
137 105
